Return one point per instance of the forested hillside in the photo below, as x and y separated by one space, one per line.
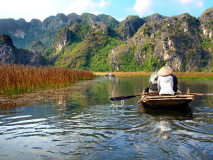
101 43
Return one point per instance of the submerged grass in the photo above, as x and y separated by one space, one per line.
15 79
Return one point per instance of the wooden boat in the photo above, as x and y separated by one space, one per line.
177 100
111 75
180 99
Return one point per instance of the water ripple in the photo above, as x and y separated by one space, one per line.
194 126
18 117
28 121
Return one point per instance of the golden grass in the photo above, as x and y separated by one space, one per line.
21 79
182 75
128 74
195 75
132 74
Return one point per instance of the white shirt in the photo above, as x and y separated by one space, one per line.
165 85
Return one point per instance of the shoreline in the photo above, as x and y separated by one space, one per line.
180 75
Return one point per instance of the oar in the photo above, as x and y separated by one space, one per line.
202 94
124 97
197 94
132 96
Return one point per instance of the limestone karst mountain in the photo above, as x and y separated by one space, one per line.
101 43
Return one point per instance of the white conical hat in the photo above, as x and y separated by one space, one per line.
164 71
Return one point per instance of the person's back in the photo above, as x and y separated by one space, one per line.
165 85
175 82
153 88
153 83
165 81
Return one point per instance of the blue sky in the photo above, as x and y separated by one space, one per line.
119 9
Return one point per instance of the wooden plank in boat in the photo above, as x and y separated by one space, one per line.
163 99
175 96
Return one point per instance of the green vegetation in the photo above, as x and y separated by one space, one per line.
146 31
100 60
108 20
49 52
88 53
127 61
192 21
86 41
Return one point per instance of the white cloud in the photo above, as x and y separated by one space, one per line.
186 1
103 4
200 4
26 9
95 13
121 19
192 3
142 6
80 6
41 9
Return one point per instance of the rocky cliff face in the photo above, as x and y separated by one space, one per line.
101 43
25 33
206 22
7 50
131 24
37 47
176 41
9 54
63 39
129 27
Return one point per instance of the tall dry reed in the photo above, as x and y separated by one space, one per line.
180 75
20 79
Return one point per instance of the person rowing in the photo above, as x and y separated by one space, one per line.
167 82
153 89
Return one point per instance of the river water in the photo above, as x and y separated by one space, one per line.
87 125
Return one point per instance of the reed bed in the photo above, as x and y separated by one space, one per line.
132 74
128 74
180 75
15 79
195 75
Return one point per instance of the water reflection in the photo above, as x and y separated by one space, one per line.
164 117
127 86
84 124
171 113
51 96
164 128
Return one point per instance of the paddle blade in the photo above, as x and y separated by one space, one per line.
121 98
209 94
202 94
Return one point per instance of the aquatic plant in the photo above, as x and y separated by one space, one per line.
16 79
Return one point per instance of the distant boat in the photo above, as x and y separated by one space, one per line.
111 75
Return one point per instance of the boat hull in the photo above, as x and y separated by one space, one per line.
167 101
